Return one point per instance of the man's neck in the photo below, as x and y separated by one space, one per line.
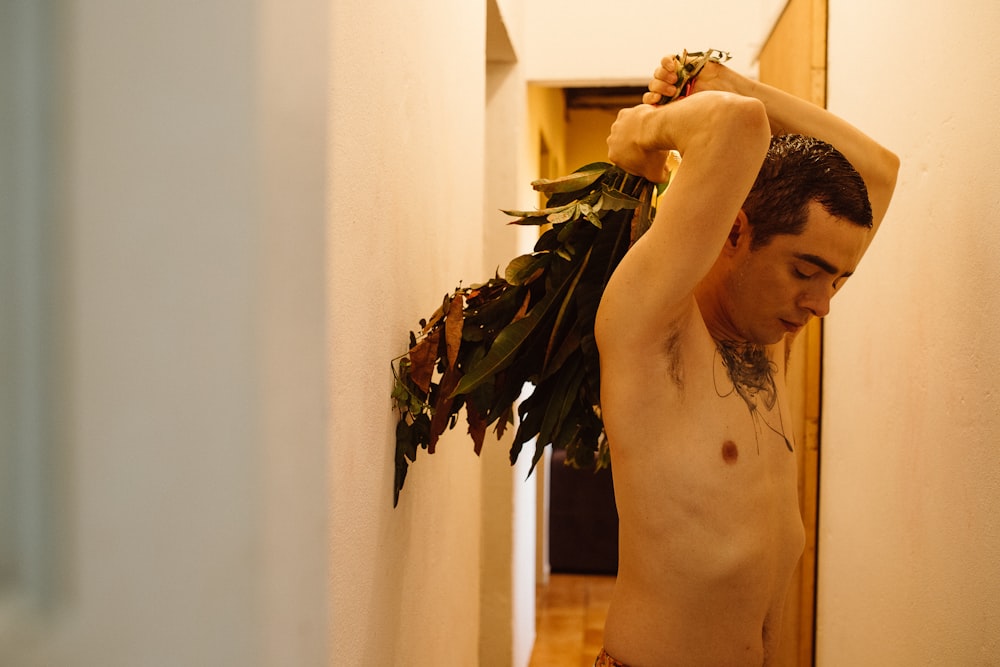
720 325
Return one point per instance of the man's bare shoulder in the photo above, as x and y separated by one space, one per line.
644 387
682 346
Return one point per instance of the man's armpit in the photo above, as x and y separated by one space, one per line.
673 349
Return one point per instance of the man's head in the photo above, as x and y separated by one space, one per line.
797 171
800 235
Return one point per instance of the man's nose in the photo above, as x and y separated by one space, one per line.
817 301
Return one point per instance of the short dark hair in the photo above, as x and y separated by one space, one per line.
797 171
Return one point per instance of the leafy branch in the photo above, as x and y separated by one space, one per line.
532 326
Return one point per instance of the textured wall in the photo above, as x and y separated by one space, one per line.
580 43
406 168
910 465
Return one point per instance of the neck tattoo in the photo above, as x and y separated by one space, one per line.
752 374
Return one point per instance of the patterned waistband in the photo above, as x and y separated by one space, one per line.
605 660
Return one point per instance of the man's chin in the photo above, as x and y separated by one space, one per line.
769 338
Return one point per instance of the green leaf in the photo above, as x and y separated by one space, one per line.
528 220
503 351
568 348
507 390
548 241
643 218
524 269
565 213
543 213
592 215
614 200
406 444
530 420
490 309
564 394
572 427
507 345
567 300
399 479
576 181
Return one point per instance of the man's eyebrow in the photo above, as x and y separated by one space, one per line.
822 264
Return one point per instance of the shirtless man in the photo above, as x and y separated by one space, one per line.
693 331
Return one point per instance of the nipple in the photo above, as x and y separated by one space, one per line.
729 452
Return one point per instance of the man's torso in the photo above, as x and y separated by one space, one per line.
706 489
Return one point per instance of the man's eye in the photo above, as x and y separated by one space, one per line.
800 274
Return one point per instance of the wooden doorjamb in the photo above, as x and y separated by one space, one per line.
794 60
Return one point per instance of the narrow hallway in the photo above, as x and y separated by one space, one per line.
570 612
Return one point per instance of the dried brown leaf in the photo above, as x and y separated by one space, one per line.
477 426
453 327
523 310
435 318
442 410
423 358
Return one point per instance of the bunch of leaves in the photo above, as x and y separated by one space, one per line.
532 326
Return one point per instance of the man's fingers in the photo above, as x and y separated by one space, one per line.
661 87
665 75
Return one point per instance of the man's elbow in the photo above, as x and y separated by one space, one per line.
741 121
749 123
888 169
882 183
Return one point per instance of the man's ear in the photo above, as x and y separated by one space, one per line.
739 232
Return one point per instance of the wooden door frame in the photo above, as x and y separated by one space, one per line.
794 59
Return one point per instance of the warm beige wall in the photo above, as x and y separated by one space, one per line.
582 43
547 120
910 540
507 576
406 171
587 134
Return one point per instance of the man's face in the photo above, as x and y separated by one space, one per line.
776 289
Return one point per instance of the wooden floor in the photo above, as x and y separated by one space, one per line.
570 613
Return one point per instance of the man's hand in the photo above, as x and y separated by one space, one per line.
663 84
635 142
628 145
704 69
789 114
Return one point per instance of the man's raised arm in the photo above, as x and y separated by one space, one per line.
722 139
789 114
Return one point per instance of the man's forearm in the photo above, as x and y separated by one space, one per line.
789 114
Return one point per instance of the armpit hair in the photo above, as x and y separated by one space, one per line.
672 353
673 350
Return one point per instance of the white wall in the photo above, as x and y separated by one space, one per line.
611 43
406 169
910 539
507 591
